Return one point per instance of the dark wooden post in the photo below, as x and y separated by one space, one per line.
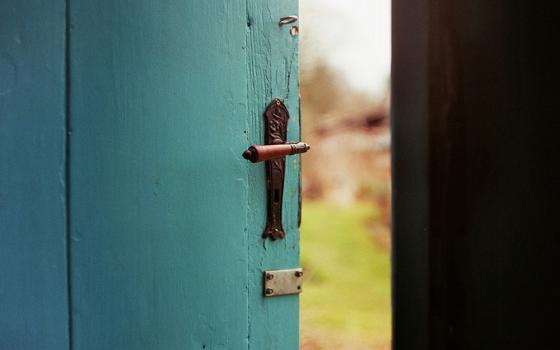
474 134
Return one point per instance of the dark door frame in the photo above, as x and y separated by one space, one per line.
474 143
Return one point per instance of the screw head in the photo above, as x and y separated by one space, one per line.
269 276
294 31
268 291
299 273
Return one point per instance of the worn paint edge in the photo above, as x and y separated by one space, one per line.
248 174
67 172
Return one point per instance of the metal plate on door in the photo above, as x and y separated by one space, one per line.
283 282
274 152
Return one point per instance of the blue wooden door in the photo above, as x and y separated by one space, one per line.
131 219
33 255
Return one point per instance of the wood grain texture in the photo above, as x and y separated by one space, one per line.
33 274
159 187
410 174
167 217
273 73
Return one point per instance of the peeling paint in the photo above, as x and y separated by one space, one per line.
272 68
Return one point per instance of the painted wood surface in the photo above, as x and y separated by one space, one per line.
167 217
272 73
33 288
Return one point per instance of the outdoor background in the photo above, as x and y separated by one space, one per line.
345 232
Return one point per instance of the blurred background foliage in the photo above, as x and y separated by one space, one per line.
345 233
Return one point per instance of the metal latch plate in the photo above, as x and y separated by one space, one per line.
282 282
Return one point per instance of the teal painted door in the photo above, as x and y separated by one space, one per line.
133 221
33 269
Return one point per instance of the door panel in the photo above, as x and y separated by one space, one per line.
272 72
33 288
167 217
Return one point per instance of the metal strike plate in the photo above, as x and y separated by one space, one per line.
282 282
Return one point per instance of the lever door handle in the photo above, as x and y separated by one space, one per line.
261 153
274 152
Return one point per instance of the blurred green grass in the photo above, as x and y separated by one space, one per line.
345 302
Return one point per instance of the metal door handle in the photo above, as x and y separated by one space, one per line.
274 152
261 153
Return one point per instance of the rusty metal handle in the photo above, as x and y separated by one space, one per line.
274 152
261 153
